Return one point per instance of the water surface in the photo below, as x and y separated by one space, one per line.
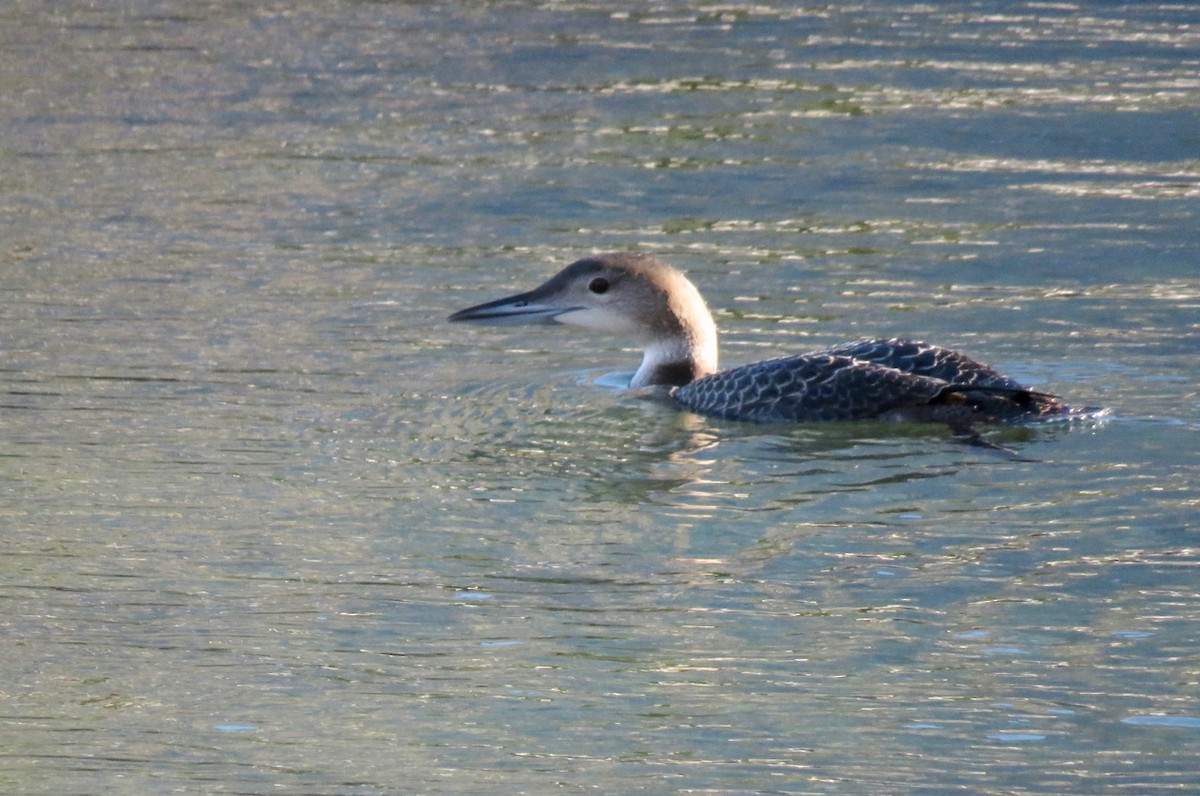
274 526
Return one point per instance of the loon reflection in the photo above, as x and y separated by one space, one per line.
638 297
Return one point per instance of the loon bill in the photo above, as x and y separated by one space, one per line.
655 305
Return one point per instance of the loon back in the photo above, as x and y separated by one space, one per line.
657 306
901 380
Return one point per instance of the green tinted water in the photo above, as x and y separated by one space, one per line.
272 525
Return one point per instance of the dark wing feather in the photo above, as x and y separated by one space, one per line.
922 359
807 388
991 395
888 379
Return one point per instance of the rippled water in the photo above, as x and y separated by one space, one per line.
272 525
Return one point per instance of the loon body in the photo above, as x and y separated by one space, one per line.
887 379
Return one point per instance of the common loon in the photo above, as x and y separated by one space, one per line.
886 379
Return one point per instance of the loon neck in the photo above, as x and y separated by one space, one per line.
679 361
683 344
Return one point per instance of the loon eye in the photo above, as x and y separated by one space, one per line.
598 285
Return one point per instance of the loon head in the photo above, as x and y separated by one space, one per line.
624 294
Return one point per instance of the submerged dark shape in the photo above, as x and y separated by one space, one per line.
884 379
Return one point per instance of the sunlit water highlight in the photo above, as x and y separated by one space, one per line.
272 525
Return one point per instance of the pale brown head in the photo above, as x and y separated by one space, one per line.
630 295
